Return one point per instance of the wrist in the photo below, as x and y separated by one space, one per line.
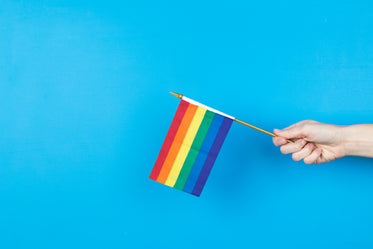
357 140
347 144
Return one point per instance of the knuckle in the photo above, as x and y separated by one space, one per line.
309 147
300 144
309 121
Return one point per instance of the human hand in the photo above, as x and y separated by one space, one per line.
314 142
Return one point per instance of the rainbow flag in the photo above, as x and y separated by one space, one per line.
192 144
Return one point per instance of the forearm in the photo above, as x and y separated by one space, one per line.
358 140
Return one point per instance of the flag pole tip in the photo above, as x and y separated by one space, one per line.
177 95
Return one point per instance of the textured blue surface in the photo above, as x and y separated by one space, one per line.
84 109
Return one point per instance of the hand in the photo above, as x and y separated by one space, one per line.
314 142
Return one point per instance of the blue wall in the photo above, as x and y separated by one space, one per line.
84 109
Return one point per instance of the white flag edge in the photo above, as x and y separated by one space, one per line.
206 107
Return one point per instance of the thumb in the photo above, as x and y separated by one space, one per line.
290 132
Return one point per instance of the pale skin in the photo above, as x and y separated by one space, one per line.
315 142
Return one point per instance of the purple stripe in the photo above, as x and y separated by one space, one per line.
214 151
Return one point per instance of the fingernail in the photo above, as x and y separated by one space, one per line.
282 141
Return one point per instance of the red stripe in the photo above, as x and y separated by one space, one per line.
183 106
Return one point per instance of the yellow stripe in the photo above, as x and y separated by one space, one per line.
185 146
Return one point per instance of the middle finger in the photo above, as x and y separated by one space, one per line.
293 147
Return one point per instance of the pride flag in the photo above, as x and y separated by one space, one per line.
192 144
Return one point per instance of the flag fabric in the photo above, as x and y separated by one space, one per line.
193 142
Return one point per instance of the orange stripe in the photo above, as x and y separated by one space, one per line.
176 144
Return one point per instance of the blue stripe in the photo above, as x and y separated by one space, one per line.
203 153
214 151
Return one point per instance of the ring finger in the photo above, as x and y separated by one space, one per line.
306 151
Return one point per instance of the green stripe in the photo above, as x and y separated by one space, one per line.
194 150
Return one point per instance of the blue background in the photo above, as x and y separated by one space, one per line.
85 106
